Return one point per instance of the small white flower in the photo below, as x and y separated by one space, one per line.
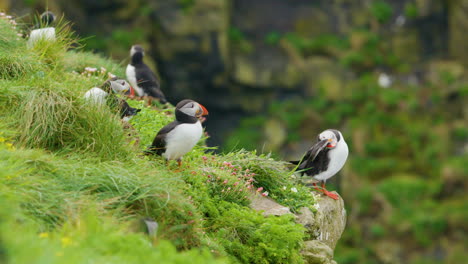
90 69
9 17
400 20
385 81
284 187
293 189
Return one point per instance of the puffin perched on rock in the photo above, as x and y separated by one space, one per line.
179 137
324 159
106 93
142 78
43 29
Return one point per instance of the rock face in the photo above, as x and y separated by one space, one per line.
267 205
324 226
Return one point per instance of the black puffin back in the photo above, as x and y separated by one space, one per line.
319 164
146 78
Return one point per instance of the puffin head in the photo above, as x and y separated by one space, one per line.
118 85
332 136
137 49
47 18
190 108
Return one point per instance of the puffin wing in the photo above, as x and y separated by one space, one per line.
159 143
148 81
311 155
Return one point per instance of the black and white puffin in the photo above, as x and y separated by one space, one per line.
141 77
106 93
324 159
179 137
43 29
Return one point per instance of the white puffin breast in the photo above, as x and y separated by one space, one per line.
41 33
131 77
96 95
337 157
182 139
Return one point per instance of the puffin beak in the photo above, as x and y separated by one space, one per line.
330 144
204 111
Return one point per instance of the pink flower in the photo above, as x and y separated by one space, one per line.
209 176
247 170
260 189
204 158
236 183
233 173
249 187
265 194
225 181
229 189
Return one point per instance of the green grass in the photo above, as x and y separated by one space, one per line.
74 184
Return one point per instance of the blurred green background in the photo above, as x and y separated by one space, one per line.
391 75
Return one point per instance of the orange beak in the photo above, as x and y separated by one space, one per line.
205 112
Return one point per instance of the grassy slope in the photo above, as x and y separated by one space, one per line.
74 186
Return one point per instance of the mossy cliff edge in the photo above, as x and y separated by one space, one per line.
75 188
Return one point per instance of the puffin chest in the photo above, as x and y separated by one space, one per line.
132 79
182 139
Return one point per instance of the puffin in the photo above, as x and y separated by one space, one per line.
106 93
43 29
179 137
324 159
142 78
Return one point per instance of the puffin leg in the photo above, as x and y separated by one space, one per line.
327 193
179 162
317 188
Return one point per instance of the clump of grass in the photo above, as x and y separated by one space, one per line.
53 120
50 51
15 60
275 177
251 238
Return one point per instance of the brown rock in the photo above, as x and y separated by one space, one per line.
316 252
330 220
267 205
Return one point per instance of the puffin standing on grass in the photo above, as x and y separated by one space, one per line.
179 137
142 79
43 29
325 158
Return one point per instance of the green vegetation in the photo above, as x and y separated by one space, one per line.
75 184
381 10
404 178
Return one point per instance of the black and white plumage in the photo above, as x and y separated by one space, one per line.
141 77
179 137
126 111
324 159
106 94
43 29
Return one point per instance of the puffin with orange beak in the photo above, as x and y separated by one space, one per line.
324 159
179 137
